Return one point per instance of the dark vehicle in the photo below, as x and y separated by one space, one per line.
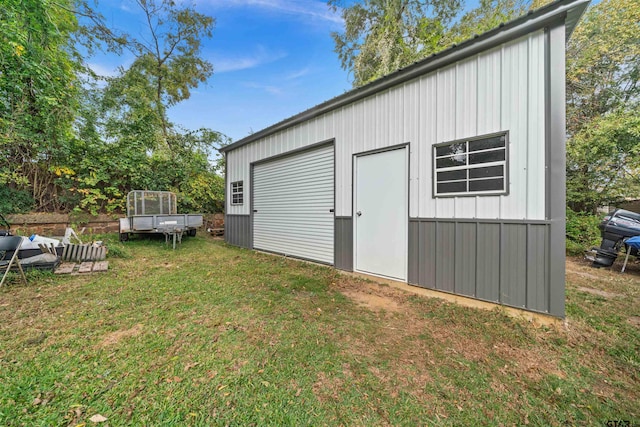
615 228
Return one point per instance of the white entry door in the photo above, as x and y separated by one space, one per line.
381 213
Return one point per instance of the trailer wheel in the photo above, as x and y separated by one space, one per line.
192 232
124 237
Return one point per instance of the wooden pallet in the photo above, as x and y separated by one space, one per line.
82 268
216 231
88 252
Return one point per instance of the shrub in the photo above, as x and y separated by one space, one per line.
582 231
14 201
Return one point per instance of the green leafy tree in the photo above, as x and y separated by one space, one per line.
67 142
603 109
155 154
168 61
38 95
382 36
125 139
487 15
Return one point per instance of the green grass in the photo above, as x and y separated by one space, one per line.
215 335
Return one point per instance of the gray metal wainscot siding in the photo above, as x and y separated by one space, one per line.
238 230
505 262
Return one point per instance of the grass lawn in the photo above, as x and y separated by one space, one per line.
210 334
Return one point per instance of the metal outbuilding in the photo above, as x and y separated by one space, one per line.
448 174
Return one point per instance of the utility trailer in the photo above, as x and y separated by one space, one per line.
155 212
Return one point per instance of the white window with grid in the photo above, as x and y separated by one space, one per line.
237 193
472 166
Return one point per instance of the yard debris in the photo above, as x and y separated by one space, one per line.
85 267
82 268
95 251
97 418
216 231
68 234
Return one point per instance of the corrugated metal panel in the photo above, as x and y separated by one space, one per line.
537 268
536 131
293 203
465 262
344 243
428 135
513 265
413 271
237 230
445 256
556 178
489 112
466 122
503 262
500 89
488 262
411 133
445 131
514 118
428 254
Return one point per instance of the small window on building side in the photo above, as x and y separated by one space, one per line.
471 167
237 193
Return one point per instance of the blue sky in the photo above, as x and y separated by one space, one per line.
272 59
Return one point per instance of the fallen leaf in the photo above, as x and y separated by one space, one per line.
97 418
190 365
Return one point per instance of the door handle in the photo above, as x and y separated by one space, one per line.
359 213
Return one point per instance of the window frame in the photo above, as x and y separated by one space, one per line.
467 167
235 192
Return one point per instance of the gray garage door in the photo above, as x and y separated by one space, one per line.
293 205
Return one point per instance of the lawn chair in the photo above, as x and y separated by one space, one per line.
8 244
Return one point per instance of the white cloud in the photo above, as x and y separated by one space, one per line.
259 57
273 90
297 74
125 7
317 9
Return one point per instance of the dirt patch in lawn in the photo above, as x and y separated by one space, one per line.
327 388
599 292
115 337
372 295
634 320
404 335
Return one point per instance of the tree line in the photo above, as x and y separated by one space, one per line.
72 140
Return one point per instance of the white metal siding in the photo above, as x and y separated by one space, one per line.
497 90
293 203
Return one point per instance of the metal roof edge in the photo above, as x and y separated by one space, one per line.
567 11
